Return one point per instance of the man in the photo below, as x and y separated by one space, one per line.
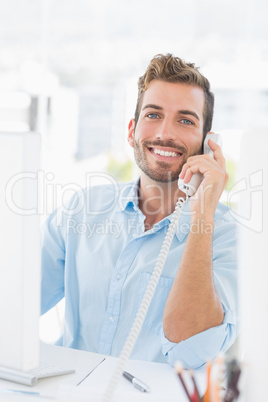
103 270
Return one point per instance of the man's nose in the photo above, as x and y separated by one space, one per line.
166 131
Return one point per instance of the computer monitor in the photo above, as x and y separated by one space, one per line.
20 250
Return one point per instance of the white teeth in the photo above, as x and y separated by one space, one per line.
164 153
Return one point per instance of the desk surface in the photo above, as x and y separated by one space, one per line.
93 373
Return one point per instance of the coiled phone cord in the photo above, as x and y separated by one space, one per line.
144 306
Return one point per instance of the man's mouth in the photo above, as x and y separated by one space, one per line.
164 152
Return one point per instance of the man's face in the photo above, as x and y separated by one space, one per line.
169 129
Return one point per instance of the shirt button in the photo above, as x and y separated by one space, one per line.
118 276
135 235
111 318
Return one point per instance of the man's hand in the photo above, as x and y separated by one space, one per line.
206 199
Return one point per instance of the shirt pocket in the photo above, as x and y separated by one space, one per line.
154 317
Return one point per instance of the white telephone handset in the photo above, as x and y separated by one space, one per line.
191 187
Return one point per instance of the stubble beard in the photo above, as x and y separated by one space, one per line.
162 174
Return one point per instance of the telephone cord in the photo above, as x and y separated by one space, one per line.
144 306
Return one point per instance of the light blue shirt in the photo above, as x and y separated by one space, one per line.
96 253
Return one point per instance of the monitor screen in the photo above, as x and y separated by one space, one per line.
20 250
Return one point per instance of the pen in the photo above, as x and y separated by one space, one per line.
233 374
207 394
137 383
179 369
23 392
15 391
196 391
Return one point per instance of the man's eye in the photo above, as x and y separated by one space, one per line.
186 121
152 115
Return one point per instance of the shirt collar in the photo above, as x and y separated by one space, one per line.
129 196
129 200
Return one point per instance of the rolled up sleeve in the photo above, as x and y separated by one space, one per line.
195 351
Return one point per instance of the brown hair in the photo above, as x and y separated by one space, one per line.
173 69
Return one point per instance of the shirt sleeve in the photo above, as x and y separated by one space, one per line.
195 351
52 261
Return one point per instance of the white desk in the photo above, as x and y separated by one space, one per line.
93 373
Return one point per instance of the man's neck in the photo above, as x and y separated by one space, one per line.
157 200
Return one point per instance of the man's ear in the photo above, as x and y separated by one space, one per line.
131 128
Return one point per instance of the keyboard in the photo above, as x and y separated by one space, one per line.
31 377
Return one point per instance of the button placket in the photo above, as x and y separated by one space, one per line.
111 319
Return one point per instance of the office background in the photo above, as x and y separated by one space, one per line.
69 70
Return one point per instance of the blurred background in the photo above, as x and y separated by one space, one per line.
69 70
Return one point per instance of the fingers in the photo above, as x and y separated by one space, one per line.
217 153
203 164
188 171
194 165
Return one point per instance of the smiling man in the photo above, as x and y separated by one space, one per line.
179 110
103 276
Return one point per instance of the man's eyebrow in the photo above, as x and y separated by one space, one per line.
189 112
151 106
